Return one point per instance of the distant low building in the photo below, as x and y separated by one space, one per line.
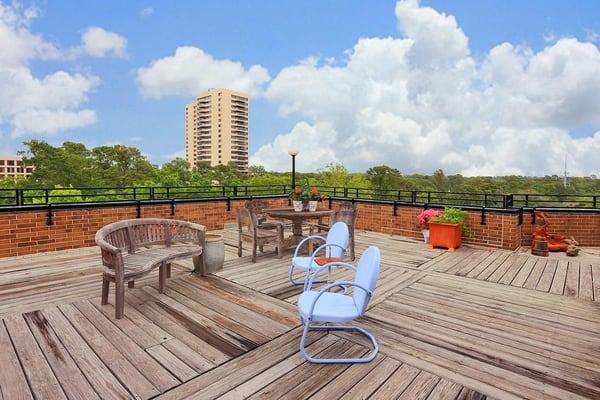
216 128
12 167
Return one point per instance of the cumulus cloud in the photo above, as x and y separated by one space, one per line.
98 42
421 101
50 122
37 104
190 70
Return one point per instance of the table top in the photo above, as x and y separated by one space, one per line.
290 213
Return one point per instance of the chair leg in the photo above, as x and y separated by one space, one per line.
352 254
131 284
254 245
162 277
240 246
119 298
105 288
261 248
311 359
168 270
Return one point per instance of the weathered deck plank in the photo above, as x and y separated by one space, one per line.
472 324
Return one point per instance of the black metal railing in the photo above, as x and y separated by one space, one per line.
27 197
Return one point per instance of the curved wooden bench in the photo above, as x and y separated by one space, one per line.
132 248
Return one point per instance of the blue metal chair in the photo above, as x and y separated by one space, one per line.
335 245
326 307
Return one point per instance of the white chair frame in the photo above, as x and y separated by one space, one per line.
308 326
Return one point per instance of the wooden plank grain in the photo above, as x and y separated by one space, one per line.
72 380
104 382
586 286
13 384
143 376
41 378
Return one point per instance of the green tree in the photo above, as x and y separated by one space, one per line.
120 165
65 165
175 173
440 181
384 177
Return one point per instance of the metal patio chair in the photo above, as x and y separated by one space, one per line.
326 307
335 245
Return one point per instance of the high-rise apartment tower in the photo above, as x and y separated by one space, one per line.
216 128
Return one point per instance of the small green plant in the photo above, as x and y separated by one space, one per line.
453 216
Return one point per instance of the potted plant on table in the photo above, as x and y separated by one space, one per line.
298 197
424 218
313 198
446 229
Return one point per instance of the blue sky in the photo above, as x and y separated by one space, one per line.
274 35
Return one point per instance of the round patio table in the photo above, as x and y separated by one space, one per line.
297 218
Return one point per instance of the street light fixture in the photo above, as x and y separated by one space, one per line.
293 153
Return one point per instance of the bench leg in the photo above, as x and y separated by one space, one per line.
131 284
119 298
162 277
168 270
105 287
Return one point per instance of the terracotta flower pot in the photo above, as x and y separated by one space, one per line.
444 235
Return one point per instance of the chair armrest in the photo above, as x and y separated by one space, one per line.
305 240
309 282
331 285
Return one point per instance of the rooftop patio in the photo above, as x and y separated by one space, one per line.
461 325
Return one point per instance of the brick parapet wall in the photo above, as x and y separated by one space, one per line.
584 227
500 231
26 232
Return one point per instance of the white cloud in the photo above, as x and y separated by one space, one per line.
190 70
146 12
30 104
50 122
421 101
98 42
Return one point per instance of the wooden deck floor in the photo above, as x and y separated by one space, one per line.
473 324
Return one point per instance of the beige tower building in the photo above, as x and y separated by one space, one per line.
216 128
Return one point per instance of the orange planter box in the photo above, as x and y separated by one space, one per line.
444 235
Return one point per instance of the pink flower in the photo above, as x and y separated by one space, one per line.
426 215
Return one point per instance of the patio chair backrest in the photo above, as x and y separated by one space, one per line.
347 214
246 218
366 276
338 234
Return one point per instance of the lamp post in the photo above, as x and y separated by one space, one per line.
293 153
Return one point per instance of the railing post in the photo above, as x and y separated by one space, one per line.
345 192
526 200
235 191
485 201
224 194
152 193
134 194
509 200
19 197
168 192
46 197
413 196
399 195
594 201
49 219
429 197
357 196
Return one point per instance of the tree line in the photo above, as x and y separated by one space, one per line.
74 165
